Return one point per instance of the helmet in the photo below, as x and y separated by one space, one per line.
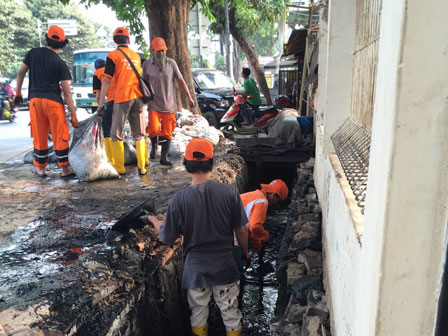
99 63
281 101
6 114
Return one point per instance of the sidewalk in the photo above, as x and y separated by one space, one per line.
14 149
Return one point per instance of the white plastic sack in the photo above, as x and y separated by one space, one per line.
177 148
211 134
87 157
285 129
192 131
182 118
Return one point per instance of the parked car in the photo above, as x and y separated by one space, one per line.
214 92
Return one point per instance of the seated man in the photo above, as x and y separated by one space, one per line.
250 89
6 96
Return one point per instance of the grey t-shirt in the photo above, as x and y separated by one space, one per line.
162 83
206 215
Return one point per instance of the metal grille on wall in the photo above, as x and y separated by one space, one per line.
352 144
365 60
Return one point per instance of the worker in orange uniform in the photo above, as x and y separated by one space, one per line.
46 107
98 76
128 102
162 72
256 204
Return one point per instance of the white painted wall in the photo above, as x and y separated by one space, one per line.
406 211
389 284
333 106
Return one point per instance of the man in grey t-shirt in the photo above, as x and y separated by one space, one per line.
162 72
207 213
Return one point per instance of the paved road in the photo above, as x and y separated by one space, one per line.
15 138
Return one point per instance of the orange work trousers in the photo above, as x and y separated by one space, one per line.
46 115
161 124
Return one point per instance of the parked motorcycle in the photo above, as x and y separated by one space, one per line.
6 113
261 117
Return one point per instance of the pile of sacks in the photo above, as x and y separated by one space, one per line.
191 126
87 155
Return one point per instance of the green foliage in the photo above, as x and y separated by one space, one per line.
131 11
265 39
53 9
196 63
18 31
250 15
220 62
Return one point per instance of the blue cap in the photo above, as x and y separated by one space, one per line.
99 63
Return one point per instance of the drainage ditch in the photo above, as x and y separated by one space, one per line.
84 279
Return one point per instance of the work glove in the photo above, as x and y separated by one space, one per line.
100 110
74 121
18 100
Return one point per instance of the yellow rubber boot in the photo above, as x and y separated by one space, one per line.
146 153
200 331
118 154
108 148
234 332
142 152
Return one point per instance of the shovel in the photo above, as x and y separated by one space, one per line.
131 220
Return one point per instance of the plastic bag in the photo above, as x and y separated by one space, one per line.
211 134
87 157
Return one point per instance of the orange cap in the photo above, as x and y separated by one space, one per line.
199 149
56 33
121 31
159 44
276 187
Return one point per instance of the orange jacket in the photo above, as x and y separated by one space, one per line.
99 73
255 204
126 84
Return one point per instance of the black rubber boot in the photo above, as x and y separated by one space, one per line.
153 153
165 148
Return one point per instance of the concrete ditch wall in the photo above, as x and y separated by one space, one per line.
302 302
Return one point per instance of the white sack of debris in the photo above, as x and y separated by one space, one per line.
88 157
191 126
285 129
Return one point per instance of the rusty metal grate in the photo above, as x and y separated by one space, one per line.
352 144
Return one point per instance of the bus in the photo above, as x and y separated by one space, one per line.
83 69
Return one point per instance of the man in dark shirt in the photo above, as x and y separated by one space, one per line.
207 213
47 112
98 76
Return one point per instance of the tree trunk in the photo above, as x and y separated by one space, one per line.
169 19
281 37
252 56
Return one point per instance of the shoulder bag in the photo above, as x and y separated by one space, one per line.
145 86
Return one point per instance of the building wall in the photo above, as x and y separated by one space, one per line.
383 269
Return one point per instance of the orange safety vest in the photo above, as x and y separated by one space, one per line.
99 73
256 205
126 84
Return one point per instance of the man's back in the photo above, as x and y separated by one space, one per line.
126 84
250 86
47 69
206 215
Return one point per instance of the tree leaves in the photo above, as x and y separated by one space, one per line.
18 31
